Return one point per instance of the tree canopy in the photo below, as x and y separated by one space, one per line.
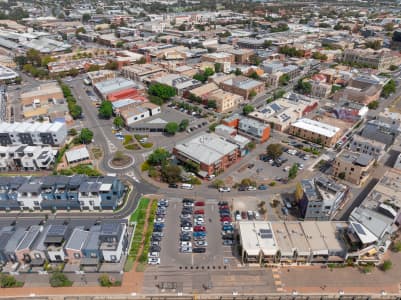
106 110
162 91
274 150
171 128
86 136
247 109
158 157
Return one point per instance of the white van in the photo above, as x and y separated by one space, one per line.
186 186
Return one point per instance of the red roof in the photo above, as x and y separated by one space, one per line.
126 94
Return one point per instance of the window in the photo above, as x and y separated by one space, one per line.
77 255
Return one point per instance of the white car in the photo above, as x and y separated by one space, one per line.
187 229
186 244
200 243
153 254
251 188
306 157
186 249
199 223
154 261
224 189
199 219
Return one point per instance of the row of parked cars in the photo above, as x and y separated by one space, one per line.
227 228
157 235
193 230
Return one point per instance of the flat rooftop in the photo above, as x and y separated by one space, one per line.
316 126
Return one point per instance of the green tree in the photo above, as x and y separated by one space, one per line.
218 183
387 265
373 105
7 281
396 247
86 18
158 157
209 72
375 44
79 30
106 110
267 43
72 132
111 65
118 122
75 111
274 150
86 136
58 279
299 192
211 104
393 68
254 75
162 91
389 26
247 109
341 175
93 68
303 87
217 67
292 173
171 128
284 79
171 173
388 89
104 280
252 94
238 72
183 125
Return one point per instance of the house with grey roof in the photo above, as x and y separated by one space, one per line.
26 251
74 245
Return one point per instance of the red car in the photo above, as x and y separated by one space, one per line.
225 219
199 203
199 212
199 228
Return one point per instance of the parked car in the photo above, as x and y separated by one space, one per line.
199 228
173 186
199 250
186 250
186 244
223 203
224 189
199 203
228 242
242 188
186 229
251 188
226 219
262 187
200 243
199 233
185 238
153 261
199 212
228 227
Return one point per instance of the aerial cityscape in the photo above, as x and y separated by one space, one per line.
200 149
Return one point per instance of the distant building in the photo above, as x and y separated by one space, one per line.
26 158
381 59
361 144
78 155
101 75
248 127
116 85
242 86
381 131
180 83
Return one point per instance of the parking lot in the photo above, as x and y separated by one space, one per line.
216 255
264 172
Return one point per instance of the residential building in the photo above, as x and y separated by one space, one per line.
353 167
241 56
32 134
377 59
321 197
211 153
78 155
60 192
26 158
243 86
320 89
316 132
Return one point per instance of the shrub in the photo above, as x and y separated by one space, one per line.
127 139
59 280
145 166
273 183
387 265
147 145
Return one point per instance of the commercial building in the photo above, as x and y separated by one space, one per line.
242 86
136 112
293 242
116 85
26 158
381 59
78 155
53 134
281 113
7 75
353 167
208 151
225 101
320 89
144 72
231 135
315 131
78 192
384 131
321 197
362 89
180 83
101 75
365 145
43 95
250 128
